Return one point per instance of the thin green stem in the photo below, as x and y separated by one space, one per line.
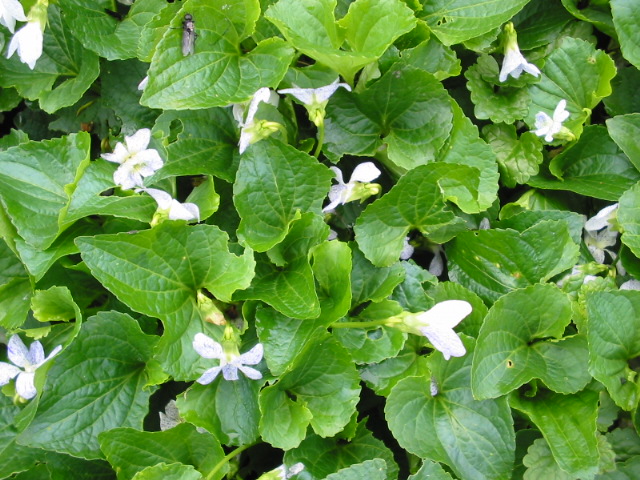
320 140
372 323
226 459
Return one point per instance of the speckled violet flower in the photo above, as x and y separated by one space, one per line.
135 159
10 11
358 187
25 363
315 99
437 325
230 360
547 126
514 62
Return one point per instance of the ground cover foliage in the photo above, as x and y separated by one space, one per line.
237 236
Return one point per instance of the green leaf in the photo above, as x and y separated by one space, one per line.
539 24
492 99
382 227
130 451
612 321
475 438
274 185
568 423
460 20
413 126
217 74
577 73
518 158
369 28
597 13
528 218
162 471
54 305
432 56
623 99
324 456
324 380
431 471
15 288
227 409
541 465
14 457
64 63
479 190
628 211
169 263
454 291
94 385
284 422
49 171
594 166
626 18
369 282
494 262
62 467
624 129
512 351
372 469
332 269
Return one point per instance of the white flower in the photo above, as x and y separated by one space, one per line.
143 83
547 126
10 11
282 472
436 266
347 192
514 62
407 250
315 99
28 42
251 130
173 208
437 325
29 360
136 161
632 284
230 361
599 233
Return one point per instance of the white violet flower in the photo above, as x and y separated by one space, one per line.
28 43
548 126
437 325
315 99
282 472
171 207
143 83
135 159
514 62
230 361
358 187
599 233
251 131
407 250
25 363
632 284
10 11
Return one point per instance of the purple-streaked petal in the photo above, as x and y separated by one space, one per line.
36 353
253 356
251 373
230 372
18 353
7 372
25 386
207 347
209 376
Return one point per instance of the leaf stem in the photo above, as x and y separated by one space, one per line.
371 323
226 459
320 140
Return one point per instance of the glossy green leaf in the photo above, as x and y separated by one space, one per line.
368 28
577 73
49 171
173 471
432 56
521 339
494 262
624 130
626 17
568 423
623 99
284 422
459 20
382 227
93 386
541 464
274 185
130 451
369 282
628 211
475 438
324 456
612 331
539 24
169 263
332 270
518 158
324 380
217 73
413 126
15 289
227 409
54 305
431 471
594 166
597 13
13 456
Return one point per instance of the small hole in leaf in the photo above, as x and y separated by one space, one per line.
509 364
374 334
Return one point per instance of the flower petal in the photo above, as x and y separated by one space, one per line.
251 373
209 376
25 386
183 211
7 372
253 356
601 219
119 154
207 347
138 141
365 172
163 199
446 314
36 353
18 353
445 340
230 372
